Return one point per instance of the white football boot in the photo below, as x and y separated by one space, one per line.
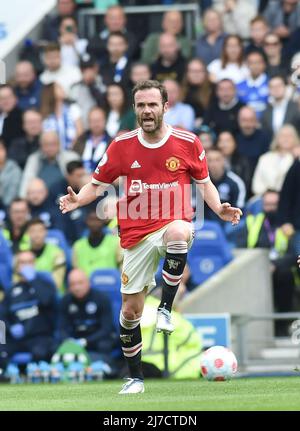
163 323
133 386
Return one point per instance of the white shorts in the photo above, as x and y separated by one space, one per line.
141 261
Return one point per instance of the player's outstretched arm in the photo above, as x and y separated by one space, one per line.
225 211
87 194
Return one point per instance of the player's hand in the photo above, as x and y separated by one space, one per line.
288 229
68 202
229 213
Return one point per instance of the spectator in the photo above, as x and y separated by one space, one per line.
258 30
48 163
273 165
209 45
262 231
52 23
170 63
236 15
277 64
178 114
99 250
73 225
222 111
231 64
40 205
60 115
230 186
55 71
172 23
292 47
289 206
283 18
280 109
252 141
72 48
21 148
234 161
116 68
10 115
27 86
93 143
28 311
207 136
197 90
14 231
90 91
254 90
115 20
139 72
86 316
10 177
48 257
119 115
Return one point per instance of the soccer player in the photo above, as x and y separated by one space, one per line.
157 161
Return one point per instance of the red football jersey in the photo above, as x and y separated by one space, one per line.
157 179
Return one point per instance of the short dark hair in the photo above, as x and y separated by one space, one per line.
72 166
257 52
35 221
148 85
18 200
51 47
226 80
118 34
278 76
10 87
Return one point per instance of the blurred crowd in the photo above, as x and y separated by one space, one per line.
69 97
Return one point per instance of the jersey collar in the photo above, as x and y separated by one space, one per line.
157 144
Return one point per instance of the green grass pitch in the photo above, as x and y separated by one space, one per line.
280 393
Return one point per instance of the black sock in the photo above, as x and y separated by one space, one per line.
172 272
131 343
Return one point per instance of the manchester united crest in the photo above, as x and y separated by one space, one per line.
172 164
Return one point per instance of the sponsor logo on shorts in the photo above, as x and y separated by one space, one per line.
172 164
125 278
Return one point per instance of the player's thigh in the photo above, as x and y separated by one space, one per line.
139 266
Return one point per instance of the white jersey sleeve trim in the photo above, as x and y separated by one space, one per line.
99 183
205 180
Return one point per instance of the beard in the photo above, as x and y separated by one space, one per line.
150 124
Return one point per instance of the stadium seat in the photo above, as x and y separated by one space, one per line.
57 237
209 253
108 281
6 263
21 358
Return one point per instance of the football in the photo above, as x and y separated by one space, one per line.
218 363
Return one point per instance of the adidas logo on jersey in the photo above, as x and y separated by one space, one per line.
135 165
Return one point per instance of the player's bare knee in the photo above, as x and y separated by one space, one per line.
177 232
130 313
